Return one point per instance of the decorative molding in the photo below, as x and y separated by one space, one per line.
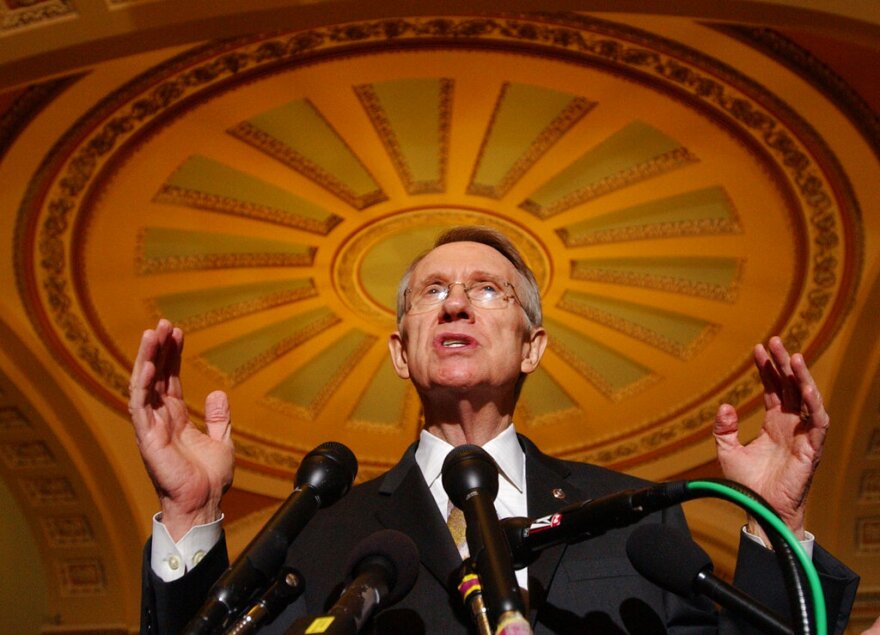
49 491
373 107
238 309
12 420
81 577
174 195
637 331
274 148
868 534
18 14
265 358
27 454
583 270
68 531
672 160
815 72
593 376
576 109
58 197
869 486
310 411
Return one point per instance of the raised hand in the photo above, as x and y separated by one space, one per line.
780 462
189 468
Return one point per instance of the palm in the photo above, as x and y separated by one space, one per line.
193 464
190 469
779 463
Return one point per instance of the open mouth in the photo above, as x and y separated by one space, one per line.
455 341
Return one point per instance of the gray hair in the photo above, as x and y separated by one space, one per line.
528 293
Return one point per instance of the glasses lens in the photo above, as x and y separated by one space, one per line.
489 294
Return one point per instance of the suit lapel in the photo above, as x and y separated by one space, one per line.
409 507
546 481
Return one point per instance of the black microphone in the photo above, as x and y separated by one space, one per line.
670 559
287 587
382 569
588 519
470 478
324 476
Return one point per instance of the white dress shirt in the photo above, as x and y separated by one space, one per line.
511 460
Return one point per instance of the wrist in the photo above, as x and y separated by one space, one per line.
179 521
797 528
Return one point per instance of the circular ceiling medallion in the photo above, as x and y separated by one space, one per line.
367 268
267 193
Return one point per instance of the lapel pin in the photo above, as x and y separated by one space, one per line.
558 493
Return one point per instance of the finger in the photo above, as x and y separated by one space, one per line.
726 429
168 359
175 355
143 370
217 417
770 378
791 386
802 374
780 354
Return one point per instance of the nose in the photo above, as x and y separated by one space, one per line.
457 305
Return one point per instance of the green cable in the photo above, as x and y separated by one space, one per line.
760 510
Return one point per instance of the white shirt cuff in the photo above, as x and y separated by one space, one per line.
807 543
170 560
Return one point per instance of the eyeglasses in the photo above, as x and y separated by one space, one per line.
487 294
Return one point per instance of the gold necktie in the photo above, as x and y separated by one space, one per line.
458 528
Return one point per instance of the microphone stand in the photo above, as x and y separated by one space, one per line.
287 587
471 592
470 478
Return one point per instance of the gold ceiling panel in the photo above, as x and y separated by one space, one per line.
627 157
526 122
675 212
207 184
412 118
297 135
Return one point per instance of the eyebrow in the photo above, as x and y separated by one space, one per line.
473 274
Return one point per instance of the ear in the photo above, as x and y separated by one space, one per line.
533 349
397 347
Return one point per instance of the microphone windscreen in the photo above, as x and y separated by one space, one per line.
394 550
330 469
468 468
667 557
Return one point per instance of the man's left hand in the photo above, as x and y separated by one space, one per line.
780 462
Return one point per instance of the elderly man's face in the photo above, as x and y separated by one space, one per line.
456 344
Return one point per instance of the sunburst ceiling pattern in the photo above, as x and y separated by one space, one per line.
267 193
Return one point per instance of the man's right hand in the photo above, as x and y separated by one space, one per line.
190 469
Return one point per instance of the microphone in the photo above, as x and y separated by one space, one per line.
382 569
288 586
471 592
324 476
588 519
672 560
470 478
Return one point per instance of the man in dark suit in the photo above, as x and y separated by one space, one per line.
469 332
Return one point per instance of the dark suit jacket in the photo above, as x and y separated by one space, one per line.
589 587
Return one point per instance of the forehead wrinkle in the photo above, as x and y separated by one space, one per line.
479 273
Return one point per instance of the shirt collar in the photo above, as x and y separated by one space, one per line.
504 449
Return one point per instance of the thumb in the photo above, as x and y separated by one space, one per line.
217 418
726 429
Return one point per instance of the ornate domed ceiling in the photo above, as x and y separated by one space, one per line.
682 190
267 193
